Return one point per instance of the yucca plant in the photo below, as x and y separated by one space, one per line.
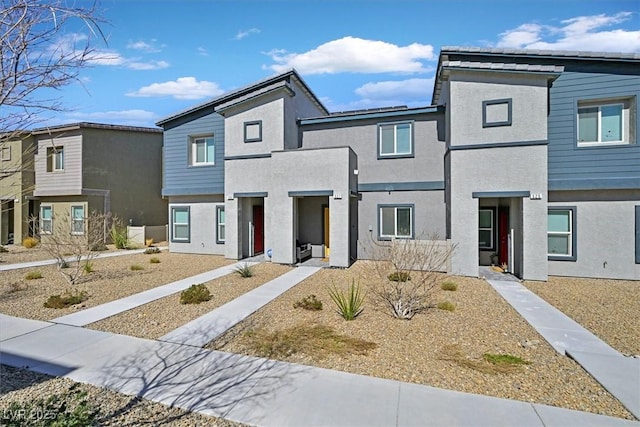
350 303
244 270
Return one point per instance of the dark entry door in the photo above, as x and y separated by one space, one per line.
503 235
258 230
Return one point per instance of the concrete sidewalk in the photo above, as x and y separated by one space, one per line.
259 391
618 374
31 264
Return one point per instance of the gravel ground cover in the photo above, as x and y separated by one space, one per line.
608 308
419 350
162 316
111 279
18 254
113 409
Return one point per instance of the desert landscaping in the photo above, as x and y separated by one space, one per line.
438 347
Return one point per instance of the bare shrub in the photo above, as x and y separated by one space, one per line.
405 272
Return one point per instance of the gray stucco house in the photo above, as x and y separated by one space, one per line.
528 158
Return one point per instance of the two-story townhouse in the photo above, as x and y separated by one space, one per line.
83 168
543 161
17 179
526 158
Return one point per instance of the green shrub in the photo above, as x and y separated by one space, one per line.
195 294
244 270
154 260
32 275
446 305
67 299
449 286
399 276
70 409
152 250
504 359
30 242
118 234
88 267
309 303
349 304
136 267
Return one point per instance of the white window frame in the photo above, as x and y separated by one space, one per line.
174 223
395 208
491 229
195 140
42 219
58 153
395 153
624 131
74 221
220 225
570 235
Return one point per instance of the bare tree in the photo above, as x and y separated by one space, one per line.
72 242
403 272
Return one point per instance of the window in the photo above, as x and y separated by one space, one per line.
180 231
220 222
561 237
77 219
396 222
497 112
486 231
5 153
46 219
602 123
253 131
203 151
55 159
395 140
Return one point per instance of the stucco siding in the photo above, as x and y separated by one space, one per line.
181 178
269 110
202 211
606 167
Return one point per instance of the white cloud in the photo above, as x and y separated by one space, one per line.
150 65
246 33
124 117
144 46
356 55
588 33
202 51
181 88
411 89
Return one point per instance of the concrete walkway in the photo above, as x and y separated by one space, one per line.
252 390
618 374
30 264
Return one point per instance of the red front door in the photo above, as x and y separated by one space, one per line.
503 235
258 230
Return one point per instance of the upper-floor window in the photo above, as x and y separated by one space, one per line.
203 150
396 221
395 140
253 131
602 123
5 153
55 159
77 219
46 219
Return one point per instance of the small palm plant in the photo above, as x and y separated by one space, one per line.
350 303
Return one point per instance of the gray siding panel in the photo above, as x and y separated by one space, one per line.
567 161
179 177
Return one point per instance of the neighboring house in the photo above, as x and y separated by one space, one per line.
525 158
107 169
16 186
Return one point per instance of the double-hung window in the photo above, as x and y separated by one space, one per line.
180 224
55 159
77 219
220 222
395 222
561 234
203 151
486 231
395 140
46 219
605 122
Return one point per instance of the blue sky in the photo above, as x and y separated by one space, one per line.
163 56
